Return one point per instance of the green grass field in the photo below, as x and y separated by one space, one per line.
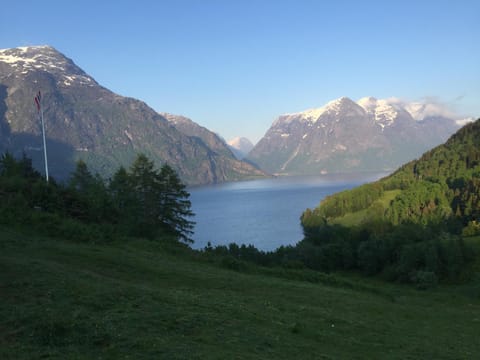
139 300
356 218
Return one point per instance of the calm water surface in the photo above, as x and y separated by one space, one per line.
265 213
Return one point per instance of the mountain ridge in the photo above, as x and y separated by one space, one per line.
87 121
344 136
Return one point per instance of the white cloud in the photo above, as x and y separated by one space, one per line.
465 121
427 106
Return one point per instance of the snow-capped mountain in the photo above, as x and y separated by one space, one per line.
87 121
384 112
345 135
31 59
240 146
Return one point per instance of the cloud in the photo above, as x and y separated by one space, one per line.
465 121
426 107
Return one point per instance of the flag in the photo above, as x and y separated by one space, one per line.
38 98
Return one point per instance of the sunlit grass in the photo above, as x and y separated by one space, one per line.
356 218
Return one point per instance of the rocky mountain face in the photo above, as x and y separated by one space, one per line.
240 146
228 166
344 136
87 121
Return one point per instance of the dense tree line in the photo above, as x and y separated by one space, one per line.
141 201
407 253
415 237
423 203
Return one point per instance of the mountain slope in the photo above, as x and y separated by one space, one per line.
228 167
343 135
87 121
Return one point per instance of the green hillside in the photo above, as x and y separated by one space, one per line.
143 300
443 183
411 226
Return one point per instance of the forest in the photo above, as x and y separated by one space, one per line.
409 226
141 201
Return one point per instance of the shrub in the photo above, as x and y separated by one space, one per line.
472 229
424 279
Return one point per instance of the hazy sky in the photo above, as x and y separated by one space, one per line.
233 66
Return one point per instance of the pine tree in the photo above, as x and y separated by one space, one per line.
161 199
89 195
175 205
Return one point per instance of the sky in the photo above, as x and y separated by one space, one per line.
234 66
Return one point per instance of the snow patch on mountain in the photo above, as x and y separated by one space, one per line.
33 58
384 112
334 108
240 146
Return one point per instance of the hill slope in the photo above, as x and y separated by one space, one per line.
410 226
87 121
62 300
444 182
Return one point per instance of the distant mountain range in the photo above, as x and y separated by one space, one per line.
240 146
87 121
344 135
228 167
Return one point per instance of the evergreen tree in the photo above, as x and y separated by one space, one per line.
89 194
175 205
123 198
161 199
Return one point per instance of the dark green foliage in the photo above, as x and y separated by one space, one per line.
407 253
443 183
142 202
425 202
174 204
398 255
411 236
158 197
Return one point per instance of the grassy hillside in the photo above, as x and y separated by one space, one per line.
443 183
142 300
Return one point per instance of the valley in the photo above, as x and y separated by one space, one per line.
351 230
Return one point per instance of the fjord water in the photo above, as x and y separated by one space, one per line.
265 213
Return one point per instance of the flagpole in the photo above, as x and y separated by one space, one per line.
38 99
